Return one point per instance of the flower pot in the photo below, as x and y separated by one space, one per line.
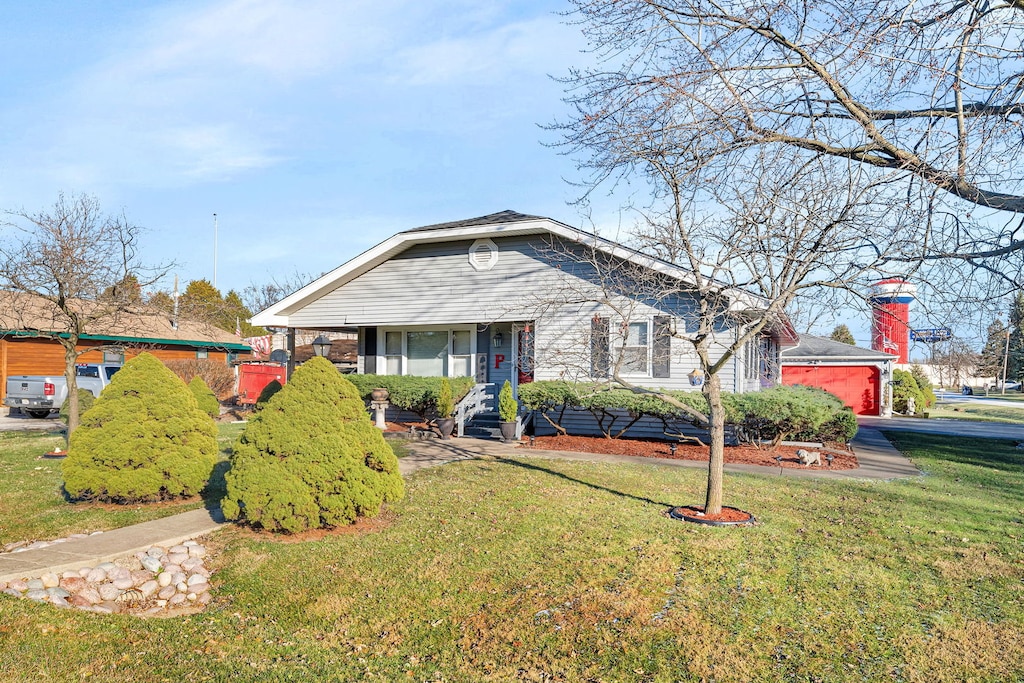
446 425
508 431
380 394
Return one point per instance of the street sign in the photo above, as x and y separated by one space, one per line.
931 334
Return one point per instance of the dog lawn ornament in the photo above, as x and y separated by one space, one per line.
808 458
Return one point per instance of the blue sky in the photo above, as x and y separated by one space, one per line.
313 129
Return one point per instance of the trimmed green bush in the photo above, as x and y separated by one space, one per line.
508 407
144 439
208 403
771 415
924 385
408 392
904 386
273 386
311 458
445 403
782 412
85 401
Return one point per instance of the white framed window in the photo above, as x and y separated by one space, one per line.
428 352
635 348
393 353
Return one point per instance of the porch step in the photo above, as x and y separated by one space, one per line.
483 426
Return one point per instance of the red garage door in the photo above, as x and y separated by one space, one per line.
856 385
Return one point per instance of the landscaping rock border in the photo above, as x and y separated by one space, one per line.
157 580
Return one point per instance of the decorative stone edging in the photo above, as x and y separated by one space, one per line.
150 582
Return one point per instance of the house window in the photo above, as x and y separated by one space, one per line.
462 358
202 353
392 353
760 360
634 349
428 353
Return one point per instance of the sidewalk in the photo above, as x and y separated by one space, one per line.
110 545
878 460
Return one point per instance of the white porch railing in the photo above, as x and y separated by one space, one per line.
475 402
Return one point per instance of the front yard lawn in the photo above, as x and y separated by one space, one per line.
520 569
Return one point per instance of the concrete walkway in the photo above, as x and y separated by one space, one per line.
878 460
110 545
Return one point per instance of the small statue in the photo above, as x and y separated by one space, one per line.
911 406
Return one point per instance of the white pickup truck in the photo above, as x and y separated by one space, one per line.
37 395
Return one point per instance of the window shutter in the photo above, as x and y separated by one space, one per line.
661 351
370 351
599 356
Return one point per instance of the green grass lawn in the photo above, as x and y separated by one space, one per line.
540 570
978 412
33 505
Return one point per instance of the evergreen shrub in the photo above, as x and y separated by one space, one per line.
771 415
208 403
273 386
508 407
924 385
144 439
904 386
413 393
311 458
445 402
85 401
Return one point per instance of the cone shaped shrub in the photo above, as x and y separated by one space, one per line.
144 439
205 397
311 457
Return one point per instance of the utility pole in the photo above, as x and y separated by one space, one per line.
1006 358
215 251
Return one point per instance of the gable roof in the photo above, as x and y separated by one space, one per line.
824 349
22 315
506 223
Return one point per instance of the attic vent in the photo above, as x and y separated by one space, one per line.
483 255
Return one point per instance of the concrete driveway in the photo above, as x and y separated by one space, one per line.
19 422
990 430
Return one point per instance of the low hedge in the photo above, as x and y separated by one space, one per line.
415 394
772 415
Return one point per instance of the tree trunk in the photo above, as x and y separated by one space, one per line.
716 428
70 376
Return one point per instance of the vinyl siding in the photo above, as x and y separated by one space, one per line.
434 284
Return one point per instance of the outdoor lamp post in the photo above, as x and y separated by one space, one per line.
321 346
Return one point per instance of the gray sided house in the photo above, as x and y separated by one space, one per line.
521 298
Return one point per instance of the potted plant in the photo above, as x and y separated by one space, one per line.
445 409
508 410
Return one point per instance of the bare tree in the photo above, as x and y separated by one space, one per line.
786 229
258 297
68 271
926 94
786 148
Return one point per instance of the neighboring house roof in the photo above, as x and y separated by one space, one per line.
824 349
24 316
502 224
342 352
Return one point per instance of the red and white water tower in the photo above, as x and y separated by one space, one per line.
890 317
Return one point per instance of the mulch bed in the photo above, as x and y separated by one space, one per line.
747 455
727 514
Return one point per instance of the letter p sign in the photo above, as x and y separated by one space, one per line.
499 358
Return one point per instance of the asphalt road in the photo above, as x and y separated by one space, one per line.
991 430
16 422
